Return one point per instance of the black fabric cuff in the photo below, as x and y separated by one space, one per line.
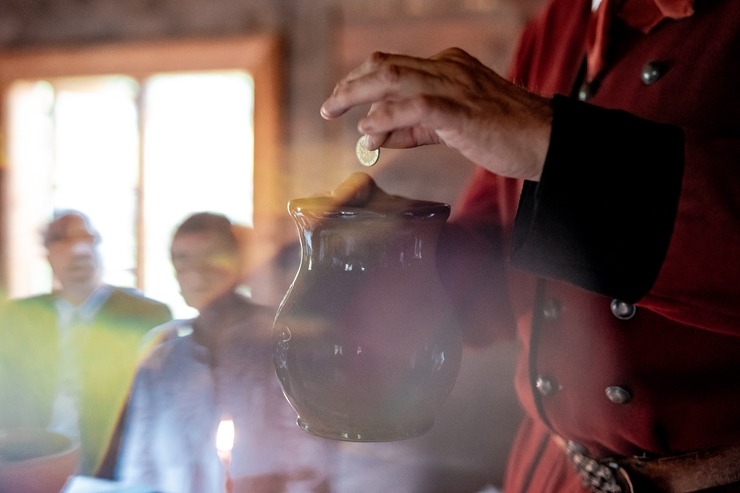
602 214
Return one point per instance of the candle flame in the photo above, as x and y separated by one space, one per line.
225 439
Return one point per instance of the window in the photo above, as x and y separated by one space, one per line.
137 150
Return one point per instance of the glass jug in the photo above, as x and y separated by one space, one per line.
366 343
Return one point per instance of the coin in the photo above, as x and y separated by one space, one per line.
365 156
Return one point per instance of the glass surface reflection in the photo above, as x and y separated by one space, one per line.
366 346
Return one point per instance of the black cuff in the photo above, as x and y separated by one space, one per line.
602 215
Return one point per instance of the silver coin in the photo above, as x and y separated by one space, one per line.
365 156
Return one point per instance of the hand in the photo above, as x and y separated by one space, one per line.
451 99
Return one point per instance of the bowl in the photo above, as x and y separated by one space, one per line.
36 460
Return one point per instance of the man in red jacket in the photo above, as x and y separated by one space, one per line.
620 139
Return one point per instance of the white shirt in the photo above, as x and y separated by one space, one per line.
66 413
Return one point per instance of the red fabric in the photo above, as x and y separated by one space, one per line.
644 15
680 354
598 33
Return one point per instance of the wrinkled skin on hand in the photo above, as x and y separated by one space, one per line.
451 99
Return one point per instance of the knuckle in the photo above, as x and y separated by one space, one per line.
377 58
455 51
390 73
455 54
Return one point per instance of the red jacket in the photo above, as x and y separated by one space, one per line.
635 211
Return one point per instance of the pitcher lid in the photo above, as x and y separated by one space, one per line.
360 194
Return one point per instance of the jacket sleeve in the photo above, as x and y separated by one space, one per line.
135 461
28 356
637 210
602 214
472 259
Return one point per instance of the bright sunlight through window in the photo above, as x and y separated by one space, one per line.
137 156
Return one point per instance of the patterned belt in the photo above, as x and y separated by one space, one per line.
605 476
686 473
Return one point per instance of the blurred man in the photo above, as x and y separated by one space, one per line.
68 358
218 367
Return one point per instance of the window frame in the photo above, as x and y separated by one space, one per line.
258 54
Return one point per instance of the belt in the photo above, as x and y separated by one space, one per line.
685 473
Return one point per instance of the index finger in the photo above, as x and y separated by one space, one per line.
374 80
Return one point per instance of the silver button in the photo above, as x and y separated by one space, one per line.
622 310
545 386
652 71
551 309
586 91
618 395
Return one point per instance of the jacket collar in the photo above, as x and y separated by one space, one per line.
645 15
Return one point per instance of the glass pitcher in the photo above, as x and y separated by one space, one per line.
366 344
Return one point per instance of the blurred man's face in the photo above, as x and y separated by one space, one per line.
72 253
204 268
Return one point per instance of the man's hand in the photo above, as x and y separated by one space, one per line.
451 99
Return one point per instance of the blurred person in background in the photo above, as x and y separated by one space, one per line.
216 367
68 358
